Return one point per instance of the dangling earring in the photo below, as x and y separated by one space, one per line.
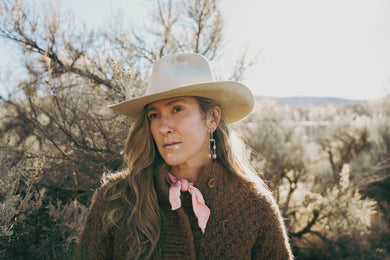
212 145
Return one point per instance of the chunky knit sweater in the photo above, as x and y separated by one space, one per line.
245 223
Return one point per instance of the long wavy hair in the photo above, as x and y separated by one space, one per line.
134 202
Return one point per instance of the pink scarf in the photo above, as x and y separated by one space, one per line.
201 211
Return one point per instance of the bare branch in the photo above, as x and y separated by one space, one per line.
309 225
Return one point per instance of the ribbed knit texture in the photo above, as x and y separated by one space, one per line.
245 223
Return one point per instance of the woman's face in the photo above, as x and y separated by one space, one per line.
179 129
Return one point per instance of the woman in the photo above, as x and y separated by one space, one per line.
186 193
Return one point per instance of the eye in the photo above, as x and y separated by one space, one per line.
152 116
177 109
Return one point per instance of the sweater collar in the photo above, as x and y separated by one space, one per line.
209 178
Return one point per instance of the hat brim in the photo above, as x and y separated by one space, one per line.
235 99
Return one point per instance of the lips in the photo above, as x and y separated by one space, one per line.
170 145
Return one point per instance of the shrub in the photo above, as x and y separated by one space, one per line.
31 226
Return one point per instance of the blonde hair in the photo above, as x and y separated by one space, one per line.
138 194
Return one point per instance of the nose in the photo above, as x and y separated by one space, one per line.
166 126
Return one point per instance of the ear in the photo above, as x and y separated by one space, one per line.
213 117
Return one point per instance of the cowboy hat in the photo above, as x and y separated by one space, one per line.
190 74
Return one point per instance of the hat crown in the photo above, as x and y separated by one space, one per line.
189 74
177 71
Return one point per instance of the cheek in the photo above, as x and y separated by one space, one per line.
196 131
154 131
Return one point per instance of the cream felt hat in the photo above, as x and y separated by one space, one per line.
190 74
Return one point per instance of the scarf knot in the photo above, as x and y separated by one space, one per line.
201 211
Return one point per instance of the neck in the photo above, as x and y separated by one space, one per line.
186 171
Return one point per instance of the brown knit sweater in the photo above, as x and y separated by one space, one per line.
245 223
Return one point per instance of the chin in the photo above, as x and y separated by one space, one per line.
171 162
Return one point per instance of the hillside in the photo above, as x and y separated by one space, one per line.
304 101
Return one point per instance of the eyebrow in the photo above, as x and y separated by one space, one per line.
151 108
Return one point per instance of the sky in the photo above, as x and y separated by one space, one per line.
338 48
318 48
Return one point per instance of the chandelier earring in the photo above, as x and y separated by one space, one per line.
212 145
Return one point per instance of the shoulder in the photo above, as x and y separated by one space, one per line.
251 187
95 241
112 183
110 190
261 210
241 190
254 198
271 240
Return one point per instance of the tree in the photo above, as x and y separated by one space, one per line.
59 105
319 173
58 109
328 212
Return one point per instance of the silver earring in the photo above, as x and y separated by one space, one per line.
212 146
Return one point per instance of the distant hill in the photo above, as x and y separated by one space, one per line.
316 101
